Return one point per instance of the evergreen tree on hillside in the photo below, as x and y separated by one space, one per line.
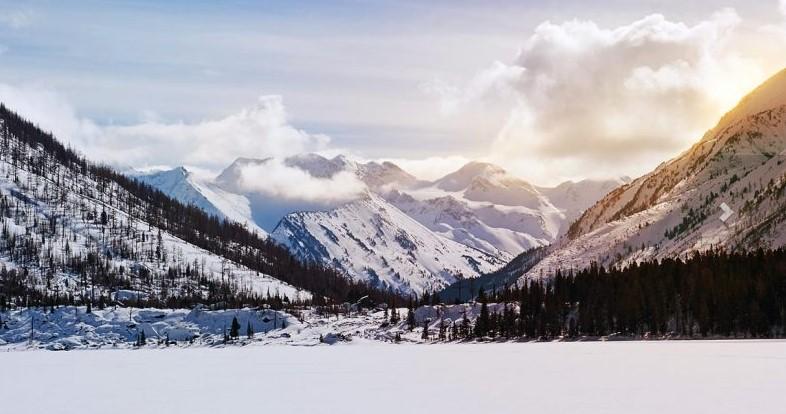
411 318
394 316
465 326
483 323
249 331
234 329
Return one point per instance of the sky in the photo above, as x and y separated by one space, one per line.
549 90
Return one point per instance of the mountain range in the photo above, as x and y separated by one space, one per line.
398 232
79 229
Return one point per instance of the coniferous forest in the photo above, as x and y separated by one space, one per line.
712 294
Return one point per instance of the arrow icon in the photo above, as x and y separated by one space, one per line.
727 212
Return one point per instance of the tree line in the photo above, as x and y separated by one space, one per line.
708 294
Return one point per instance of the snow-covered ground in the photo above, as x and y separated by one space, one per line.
584 377
71 327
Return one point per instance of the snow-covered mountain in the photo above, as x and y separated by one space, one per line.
677 208
73 231
372 240
184 186
573 198
480 207
483 206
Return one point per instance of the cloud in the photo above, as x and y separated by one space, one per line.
48 110
588 96
259 131
16 19
779 28
276 179
494 81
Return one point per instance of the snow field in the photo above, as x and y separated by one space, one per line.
588 377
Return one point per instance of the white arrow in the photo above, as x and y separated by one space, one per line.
727 212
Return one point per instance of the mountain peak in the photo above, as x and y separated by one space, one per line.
769 95
230 176
471 171
481 168
317 165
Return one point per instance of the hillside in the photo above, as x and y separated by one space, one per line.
676 209
77 232
371 240
182 185
483 206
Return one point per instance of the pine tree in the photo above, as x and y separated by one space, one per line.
249 331
394 317
465 326
411 319
483 323
234 329
424 336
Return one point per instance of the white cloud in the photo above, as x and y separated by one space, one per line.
276 179
497 80
16 19
258 131
49 110
591 98
779 28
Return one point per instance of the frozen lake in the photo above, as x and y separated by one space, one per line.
597 377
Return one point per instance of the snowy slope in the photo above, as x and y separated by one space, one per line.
483 206
676 209
372 240
59 219
182 185
573 198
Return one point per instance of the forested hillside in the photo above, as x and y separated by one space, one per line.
77 232
707 294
